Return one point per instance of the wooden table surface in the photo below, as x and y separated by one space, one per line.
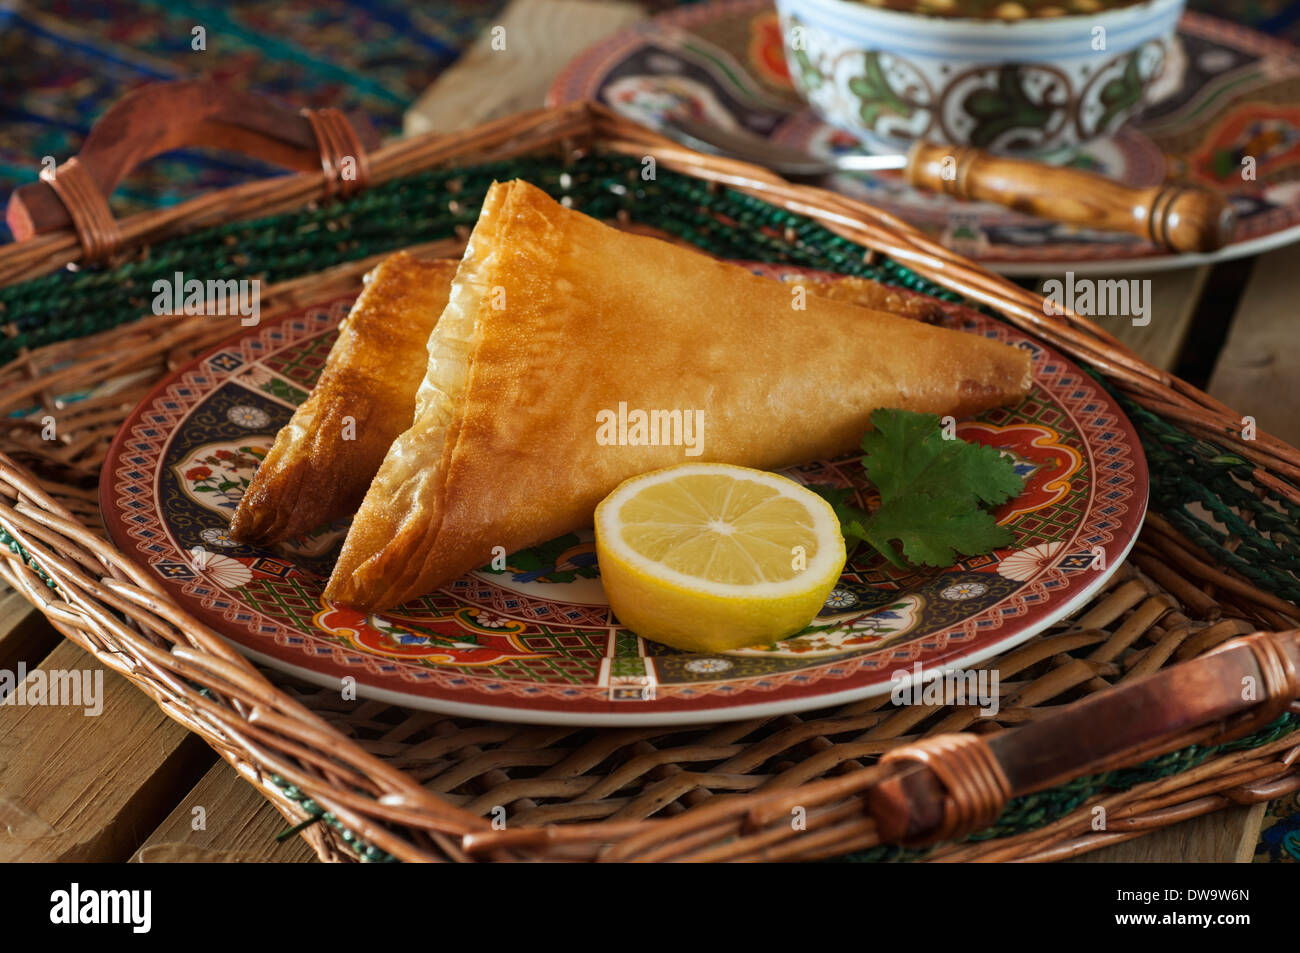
130 784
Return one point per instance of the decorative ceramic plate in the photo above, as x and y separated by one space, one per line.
1226 93
536 642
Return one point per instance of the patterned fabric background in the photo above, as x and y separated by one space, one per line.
63 62
1279 839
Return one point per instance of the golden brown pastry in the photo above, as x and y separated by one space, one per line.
325 457
556 322
866 293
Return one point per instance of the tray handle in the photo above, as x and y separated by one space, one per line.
954 784
164 116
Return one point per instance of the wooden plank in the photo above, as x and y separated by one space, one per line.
1250 826
1174 296
1256 371
1225 837
90 787
1173 299
223 819
540 37
25 634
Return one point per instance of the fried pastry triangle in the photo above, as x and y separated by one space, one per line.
556 322
325 457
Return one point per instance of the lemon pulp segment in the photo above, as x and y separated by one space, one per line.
709 557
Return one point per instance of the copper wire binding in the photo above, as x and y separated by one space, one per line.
1279 682
976 787
339 146
96 228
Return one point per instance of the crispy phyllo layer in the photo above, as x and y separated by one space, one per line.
560 329
866 293
324 459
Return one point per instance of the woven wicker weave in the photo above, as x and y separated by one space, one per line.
1219 556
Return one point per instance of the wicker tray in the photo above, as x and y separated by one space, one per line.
1219 556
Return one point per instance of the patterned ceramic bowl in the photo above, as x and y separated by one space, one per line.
1039 86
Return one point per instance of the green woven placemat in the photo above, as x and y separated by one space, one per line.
422 208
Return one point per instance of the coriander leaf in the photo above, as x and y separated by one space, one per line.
930 492
838 498
990 475
933 530
907 455
901 453
850 516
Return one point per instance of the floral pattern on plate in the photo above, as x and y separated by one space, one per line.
217 474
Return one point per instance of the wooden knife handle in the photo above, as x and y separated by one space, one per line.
1179 217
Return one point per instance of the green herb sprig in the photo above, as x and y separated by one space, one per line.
932 492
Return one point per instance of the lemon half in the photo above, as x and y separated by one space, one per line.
707 557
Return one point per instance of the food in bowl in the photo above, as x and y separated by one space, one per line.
999 9
1017 77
